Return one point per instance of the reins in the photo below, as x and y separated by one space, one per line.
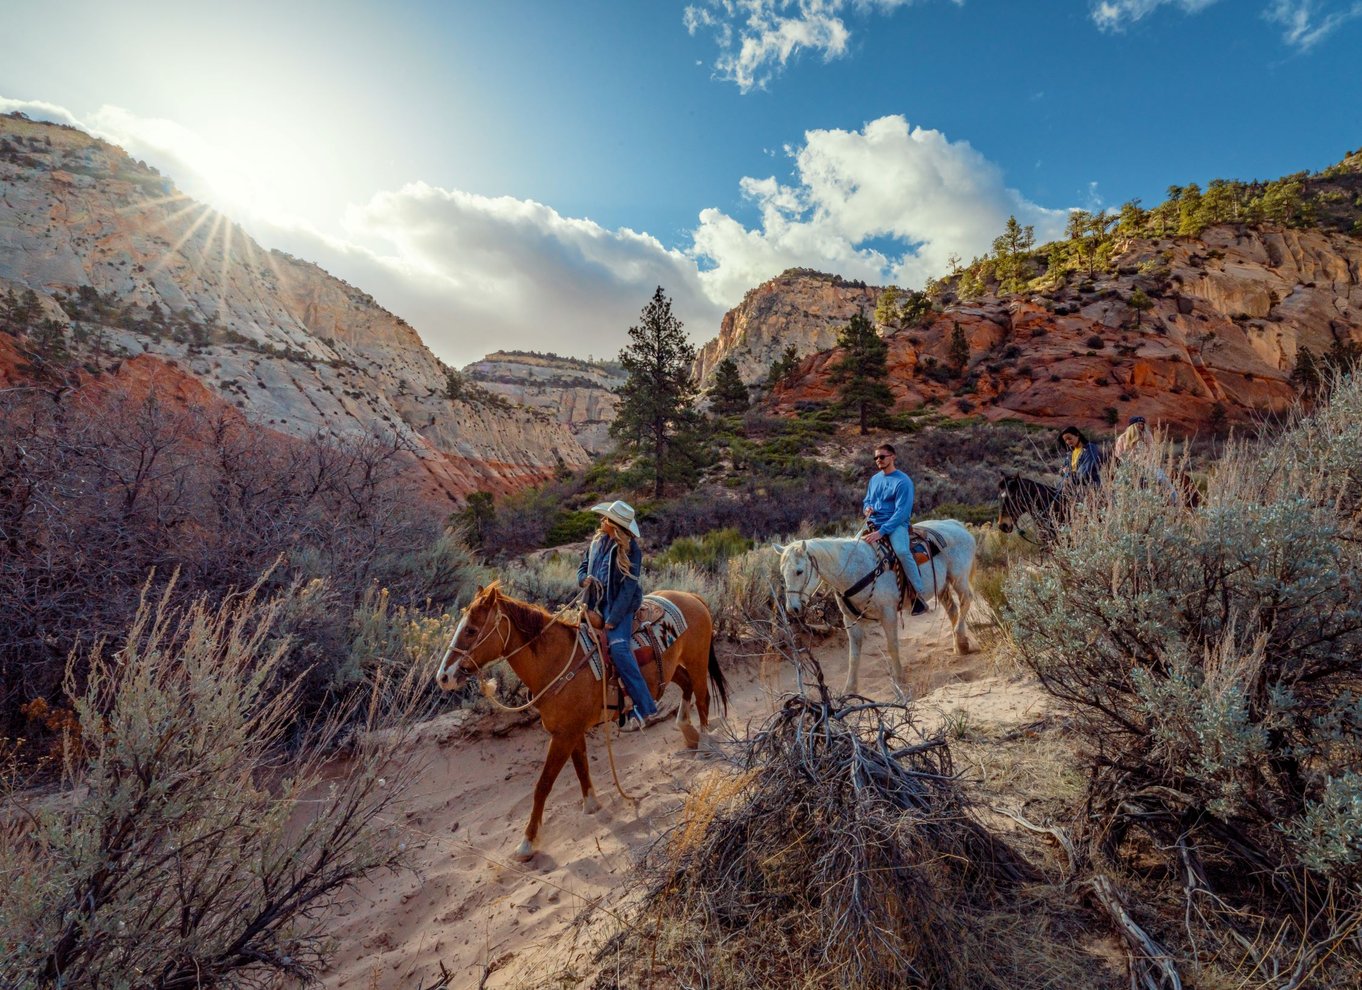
572 656
505 641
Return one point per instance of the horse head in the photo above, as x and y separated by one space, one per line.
798 573
1008 509
480 638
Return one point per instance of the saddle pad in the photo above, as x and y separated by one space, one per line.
657 623
926 541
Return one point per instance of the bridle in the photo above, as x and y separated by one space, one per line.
1015 505
817 576
465 655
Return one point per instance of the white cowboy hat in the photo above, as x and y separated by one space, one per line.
621 513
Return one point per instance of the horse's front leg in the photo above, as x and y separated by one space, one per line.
560 747
579 763
854 635
889 622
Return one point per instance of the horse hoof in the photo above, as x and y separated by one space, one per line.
691 734
590 805
524 852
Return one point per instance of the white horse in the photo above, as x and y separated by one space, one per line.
840 563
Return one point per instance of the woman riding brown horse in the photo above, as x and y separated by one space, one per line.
543 651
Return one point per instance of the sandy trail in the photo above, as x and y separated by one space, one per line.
470 907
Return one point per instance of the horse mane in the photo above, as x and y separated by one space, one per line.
528 618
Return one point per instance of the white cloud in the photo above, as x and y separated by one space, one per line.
888 203
757 38
1301 21
1304 23
39 110
1114 15
472 274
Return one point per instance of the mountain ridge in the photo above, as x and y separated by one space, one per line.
135 267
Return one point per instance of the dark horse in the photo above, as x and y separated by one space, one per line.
1018 497
1051 507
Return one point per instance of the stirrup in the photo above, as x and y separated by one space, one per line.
919 606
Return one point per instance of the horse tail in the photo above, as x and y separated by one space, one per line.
716 677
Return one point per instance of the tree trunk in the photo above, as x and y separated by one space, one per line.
864 428
659 443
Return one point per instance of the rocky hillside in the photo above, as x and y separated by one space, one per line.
579 394
1190 332
800 307
125 265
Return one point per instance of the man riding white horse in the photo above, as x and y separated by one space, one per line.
889 510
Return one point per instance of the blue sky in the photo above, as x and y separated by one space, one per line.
523 173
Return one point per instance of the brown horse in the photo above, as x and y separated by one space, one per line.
542 649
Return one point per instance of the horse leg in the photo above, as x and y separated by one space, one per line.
579 763
951 603
889 622
681 677
964 594
559 750
854 635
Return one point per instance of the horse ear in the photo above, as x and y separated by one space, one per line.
778 548
478 592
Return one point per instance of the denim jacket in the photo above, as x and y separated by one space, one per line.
623 594
1088 471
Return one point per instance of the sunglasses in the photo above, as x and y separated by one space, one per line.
883 457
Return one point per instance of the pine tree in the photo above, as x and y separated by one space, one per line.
728 395
1009 246
1140 302
887 307
959 348
782 366
477 517
656 400
1306 375
862 370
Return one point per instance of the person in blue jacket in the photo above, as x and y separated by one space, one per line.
610 572
1083 466
889 505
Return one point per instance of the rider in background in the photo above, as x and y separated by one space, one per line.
1136 451
889 507
610 572
1084 465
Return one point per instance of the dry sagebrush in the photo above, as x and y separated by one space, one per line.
1212 664
183 850
836 851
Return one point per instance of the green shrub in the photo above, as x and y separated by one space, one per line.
710 550
571 526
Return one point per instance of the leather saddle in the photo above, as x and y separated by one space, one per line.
647 653
924 544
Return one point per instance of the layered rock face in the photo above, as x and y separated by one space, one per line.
799 307
578 394
1229 314
148 271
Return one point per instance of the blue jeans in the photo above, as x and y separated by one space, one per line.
630 676
898 539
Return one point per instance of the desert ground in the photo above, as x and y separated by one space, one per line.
495 923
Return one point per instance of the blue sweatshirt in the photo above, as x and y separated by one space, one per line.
889 497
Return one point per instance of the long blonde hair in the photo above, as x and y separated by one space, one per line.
623 539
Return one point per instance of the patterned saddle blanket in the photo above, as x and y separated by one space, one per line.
925 545
658 624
